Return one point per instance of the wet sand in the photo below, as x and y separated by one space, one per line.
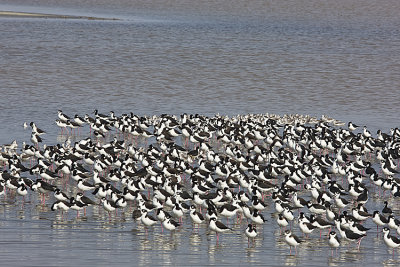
40 15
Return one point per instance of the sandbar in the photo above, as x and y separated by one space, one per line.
41 15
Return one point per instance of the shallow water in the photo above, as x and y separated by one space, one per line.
310 57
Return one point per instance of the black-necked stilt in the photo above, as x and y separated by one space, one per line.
36 139
48 175
257 204
379 220
393 223
79 120
36 130
352 236
243 196
330 213
333 240
218 227
228 210
292 240
360 215
108 205
62 116
306 227
352 126
363 197
59 195
100 191
76 205
316 208
84 199
147 219
169 223
196 217
60 204
257 217
211 212
85 186
22 191
339 201
320 223
43 188
298 201
387 169
77 175
161 214
357 228
282 222
390 241
251 232
287 213
178 211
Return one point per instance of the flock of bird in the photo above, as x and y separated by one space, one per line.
317 172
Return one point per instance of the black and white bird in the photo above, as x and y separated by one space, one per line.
60 204
62 116
85 186
316 208
360 214
228 210
147 219
393 223
161 215
84 199
257 204
169 223
257 217
288 214
320 223
43 188
292 240
196 217
22 191
339 201
59 195
36 130
390 241
76 205
357 228
352 126
306 227
333 240
36 139
379 219
108 205
352 236
218 227
298 201
282 222
250 232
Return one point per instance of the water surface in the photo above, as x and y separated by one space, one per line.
337 58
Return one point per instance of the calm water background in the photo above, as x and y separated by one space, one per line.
339 58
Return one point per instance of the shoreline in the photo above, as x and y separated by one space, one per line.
42 15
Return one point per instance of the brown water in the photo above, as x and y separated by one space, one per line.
339 58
